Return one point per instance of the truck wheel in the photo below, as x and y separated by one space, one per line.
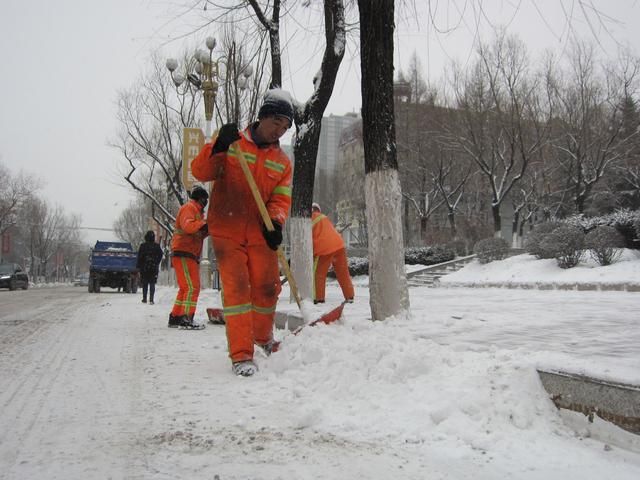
127 286
96 285
90 285
134 285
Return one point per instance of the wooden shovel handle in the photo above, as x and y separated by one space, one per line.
268 223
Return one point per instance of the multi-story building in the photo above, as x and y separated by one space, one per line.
324 190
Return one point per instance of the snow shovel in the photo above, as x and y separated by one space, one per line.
334 314
216 317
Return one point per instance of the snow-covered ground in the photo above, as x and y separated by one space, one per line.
105 390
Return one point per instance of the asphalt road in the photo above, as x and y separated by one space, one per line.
23 312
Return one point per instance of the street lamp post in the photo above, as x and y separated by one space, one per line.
205 78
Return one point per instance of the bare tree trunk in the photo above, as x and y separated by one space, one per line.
497 220
387 278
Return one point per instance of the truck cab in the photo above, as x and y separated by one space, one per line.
113 264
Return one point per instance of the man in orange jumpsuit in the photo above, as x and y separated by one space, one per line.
186 245
328 250
244 249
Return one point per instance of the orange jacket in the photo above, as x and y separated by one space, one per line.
187 236
233 212
326 239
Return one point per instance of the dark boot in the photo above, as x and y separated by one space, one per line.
189 324
270 347
244 369
176 321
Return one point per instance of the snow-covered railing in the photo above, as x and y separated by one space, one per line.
440 266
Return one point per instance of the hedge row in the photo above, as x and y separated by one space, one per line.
412 256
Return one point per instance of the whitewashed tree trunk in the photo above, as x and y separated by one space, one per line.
301 260
387 278
388 293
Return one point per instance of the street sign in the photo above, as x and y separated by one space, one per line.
192 143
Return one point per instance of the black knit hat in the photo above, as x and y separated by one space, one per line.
277 103
198 192
150 236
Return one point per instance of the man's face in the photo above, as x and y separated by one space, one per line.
272 128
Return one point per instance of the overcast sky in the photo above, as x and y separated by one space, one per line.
65 60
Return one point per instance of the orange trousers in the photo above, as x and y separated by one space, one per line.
321 267
250 286
188 276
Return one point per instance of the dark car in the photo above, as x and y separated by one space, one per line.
12 277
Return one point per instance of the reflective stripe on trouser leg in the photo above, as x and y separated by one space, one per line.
315 268
233 266
341 267
251 284
188 278
322 267
265 288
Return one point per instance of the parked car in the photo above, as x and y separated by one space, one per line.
81 280
12 276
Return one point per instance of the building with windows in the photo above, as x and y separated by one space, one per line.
324 189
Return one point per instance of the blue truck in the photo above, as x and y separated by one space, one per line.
113 264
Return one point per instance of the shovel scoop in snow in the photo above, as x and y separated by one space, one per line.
293 322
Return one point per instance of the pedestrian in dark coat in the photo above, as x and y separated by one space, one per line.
149 257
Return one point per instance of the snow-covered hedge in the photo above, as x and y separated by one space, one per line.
626 221
428 255
413 256
533 243
491 249
566 243
604 244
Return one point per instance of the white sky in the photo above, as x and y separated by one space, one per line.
103 389
65 61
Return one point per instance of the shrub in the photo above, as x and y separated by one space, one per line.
626 221
566 243
491 249
413 256
428 255
604 243
357 266
459 247
533 243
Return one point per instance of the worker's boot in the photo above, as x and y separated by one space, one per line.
244 369
271 347
188 323
175 321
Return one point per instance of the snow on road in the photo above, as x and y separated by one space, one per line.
102 389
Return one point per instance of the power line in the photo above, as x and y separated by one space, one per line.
96 228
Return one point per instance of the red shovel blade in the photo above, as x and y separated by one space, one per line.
329 317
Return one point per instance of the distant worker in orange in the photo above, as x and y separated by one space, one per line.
244 249
189 232
328 250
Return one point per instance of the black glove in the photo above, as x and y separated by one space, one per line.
204 229
226 136
274 239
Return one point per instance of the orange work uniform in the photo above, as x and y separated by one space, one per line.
328 249
248 267
186 247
